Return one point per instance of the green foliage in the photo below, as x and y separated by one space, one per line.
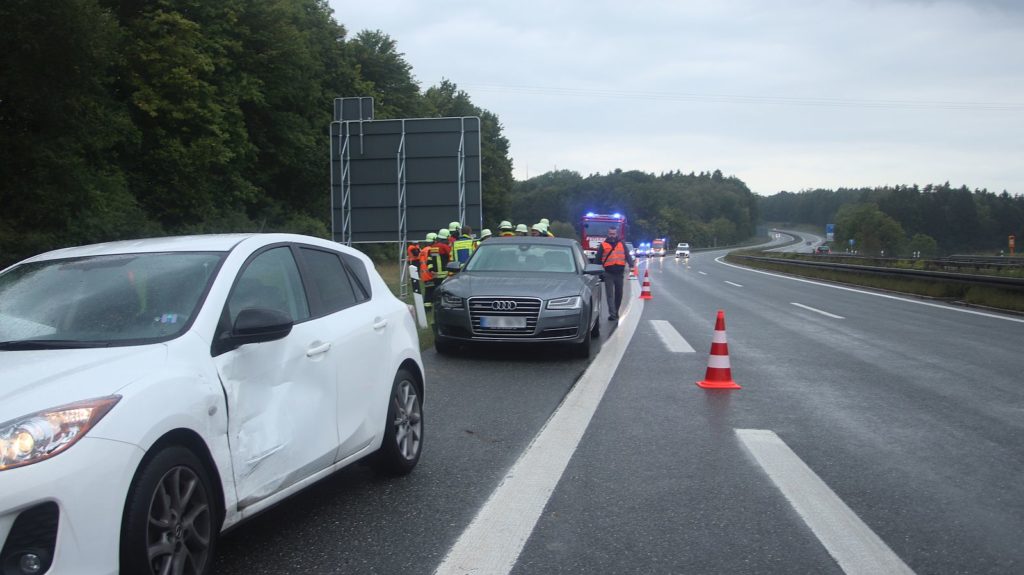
131 118
396 93
62 132
872 231
703 210
923 244
957 219
562 229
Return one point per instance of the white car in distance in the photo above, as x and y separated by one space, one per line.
682 250
155 392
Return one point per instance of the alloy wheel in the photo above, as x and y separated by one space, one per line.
180 523
408 419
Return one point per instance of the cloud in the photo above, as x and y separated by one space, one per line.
792 95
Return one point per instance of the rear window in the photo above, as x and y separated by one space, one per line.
360 276
331 280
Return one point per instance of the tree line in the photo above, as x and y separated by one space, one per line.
133 118
901 220
704 209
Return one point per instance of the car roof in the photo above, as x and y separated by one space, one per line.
530 240
196 243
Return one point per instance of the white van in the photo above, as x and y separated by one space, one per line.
683 250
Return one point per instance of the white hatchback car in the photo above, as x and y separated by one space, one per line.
156 392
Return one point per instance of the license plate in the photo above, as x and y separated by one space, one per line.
502 322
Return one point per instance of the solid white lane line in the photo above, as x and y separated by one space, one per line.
492 542
849 541
876 294
734 284
671 338
809 308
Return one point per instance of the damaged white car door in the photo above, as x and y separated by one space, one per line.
281 394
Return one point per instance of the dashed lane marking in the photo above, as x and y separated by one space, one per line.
733 284
849 541
671 338
824 313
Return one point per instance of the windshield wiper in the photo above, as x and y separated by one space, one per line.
28 344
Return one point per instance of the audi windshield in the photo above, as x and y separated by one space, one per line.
525 257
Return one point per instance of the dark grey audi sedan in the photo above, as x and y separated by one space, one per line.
521 289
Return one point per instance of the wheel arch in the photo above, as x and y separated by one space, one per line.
412 367
192 441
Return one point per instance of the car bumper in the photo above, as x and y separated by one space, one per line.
88 484
552 325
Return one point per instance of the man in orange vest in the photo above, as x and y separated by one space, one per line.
613 255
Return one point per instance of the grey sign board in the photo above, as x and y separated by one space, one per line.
360 108
398 179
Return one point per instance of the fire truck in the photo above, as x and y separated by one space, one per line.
594 229
658 247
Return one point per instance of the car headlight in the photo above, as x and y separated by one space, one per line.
41 435
448 301
571 302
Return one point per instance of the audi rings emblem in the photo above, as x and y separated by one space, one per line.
504 305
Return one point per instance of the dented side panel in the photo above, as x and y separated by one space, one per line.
282 410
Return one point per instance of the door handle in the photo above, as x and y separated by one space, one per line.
322 348
380 324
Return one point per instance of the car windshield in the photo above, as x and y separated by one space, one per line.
102 300
522 258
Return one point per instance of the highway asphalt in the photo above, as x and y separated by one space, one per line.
911 413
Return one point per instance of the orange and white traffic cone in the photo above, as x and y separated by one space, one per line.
645 290
719 372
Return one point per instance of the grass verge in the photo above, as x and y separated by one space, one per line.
950 291
389 270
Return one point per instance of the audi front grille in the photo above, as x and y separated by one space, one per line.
504 307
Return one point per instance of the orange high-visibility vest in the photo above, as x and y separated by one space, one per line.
613 256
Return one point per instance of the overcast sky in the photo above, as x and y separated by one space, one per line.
783 95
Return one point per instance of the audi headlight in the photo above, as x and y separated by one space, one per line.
41 435
571 302
448 301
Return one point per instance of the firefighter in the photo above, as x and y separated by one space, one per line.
454 231
412 252
505 229
484 234
426 275
435 257
537 230
441 254
463 247
521 230
547 227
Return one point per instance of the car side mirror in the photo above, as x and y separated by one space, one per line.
593 269
454 267
256 325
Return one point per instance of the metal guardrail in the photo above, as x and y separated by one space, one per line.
973 279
